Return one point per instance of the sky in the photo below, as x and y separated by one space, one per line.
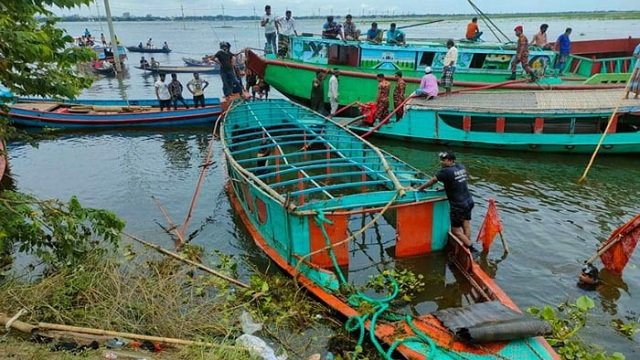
342 7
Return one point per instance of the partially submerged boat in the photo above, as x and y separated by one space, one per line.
593 64
305 187
543 121
48 114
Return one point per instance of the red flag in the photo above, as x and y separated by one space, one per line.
490 227
617 250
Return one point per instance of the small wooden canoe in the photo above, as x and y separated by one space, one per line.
148 50
62 115
316 197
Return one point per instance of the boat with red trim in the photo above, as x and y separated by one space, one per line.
315 197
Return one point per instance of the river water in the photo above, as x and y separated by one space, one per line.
551 223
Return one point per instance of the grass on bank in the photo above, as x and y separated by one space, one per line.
163 297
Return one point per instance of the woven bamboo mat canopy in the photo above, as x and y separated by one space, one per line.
535 102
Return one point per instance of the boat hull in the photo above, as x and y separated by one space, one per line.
146 50
574 125
181 69
287 228
31 116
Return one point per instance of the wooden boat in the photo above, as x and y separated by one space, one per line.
197 63
60 115
594 64
214 102
106 53
181 69
103 67
543 121
148 50
301 184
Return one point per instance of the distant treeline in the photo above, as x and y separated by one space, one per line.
609 15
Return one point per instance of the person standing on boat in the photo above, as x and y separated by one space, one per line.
225 58
162 93
175 89
449 66
540 38
287 29
382 99
374 34
270 29
103 40
317 92
522 55
473 31
196 87
395 36
428 85
398 95
333 92
350 30
563 47
149 43
454 178
634 83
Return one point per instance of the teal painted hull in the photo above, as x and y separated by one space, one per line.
299 181
564 128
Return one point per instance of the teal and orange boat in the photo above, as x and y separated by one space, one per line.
593 64
542 121
306 188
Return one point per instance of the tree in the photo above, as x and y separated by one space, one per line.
36 58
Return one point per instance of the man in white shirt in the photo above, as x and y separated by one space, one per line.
287 27
270 29
162 93
333 92
449 66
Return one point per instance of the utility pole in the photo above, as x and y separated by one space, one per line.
184 27
114 42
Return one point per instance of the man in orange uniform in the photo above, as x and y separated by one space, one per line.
473 31
522 55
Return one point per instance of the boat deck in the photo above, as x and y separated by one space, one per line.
535 102
305 157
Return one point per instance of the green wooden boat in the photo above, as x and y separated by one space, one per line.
305 187
593 64
543 121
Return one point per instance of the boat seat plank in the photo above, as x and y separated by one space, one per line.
43 106
584 101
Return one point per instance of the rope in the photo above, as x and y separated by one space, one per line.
606 130
485 18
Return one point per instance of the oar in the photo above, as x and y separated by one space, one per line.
419 24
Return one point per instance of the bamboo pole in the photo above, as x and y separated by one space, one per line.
14 323
604 133
504 242
604 249
193 263
174 227
101 332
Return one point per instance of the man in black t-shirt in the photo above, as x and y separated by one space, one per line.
454 178
225 58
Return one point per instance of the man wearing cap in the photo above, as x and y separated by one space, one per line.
428 85
270 29
350 30
333 92
522 55
454 178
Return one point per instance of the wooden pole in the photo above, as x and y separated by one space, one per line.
418 24
83 330
504 242
173 226
193 263
604 249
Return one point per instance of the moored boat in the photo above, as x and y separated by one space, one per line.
181 69
303 185
60 115
196 62
593 64
148 50
543 121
